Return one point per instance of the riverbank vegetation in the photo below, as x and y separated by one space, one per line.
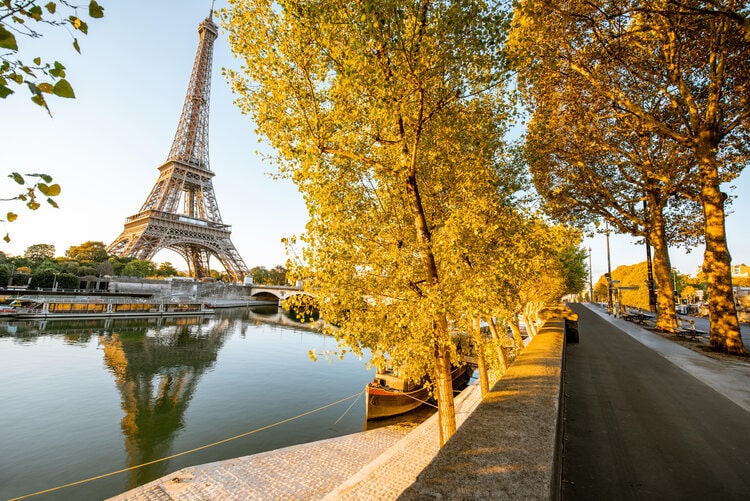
639 116
39 267
391 118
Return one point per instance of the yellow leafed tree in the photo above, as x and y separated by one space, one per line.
679 70
386 114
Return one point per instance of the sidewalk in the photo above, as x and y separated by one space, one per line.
647 418
377 464
662 421
730 378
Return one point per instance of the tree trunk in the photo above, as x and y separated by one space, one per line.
717 263
666 319
500 352
444 384
530 327
484 382
443 381
516 330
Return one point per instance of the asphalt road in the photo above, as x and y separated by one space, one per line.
639 427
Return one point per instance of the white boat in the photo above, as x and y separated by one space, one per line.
96 307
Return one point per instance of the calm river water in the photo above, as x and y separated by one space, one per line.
80 399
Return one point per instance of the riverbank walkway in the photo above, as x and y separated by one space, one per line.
375 464
645 418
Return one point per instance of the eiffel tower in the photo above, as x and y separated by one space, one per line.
181 213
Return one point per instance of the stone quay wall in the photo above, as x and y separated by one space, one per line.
510 446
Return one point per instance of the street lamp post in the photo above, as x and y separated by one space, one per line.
54 283
609 273
649 266
591 280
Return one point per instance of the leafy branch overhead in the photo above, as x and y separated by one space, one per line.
24 18
31 194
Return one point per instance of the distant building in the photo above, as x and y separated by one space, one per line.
740 271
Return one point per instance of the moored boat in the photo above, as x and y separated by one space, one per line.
94 307
7 311
390 395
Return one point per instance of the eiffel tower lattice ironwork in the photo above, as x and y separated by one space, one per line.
181 213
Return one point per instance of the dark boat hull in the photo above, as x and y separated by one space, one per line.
385 402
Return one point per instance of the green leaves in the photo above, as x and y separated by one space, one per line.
58 70
30 193
15 24
63 89
96 11
7 39
49 190
35 12
18 178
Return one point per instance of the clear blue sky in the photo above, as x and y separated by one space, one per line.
105 146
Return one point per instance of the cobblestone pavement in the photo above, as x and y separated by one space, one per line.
376 464
389 475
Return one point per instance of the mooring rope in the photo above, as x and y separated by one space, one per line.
349 408
422 401
130 468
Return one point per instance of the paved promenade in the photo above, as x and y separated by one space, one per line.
376 464
647 418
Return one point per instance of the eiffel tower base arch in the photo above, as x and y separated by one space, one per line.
148 233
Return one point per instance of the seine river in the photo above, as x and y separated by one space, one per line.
79 399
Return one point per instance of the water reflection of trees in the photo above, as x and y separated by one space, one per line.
267 315
78 332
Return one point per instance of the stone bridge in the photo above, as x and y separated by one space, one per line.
186 288
270 292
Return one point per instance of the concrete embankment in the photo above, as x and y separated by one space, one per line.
509 447
506 447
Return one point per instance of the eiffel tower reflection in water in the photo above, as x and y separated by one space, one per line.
157 370
84 398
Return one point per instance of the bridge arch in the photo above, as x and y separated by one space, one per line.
279 292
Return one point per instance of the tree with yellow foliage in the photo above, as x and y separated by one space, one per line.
386 114
679 70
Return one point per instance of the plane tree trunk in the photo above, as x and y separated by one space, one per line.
502 360
515 328
443 381
722 312
484 382
666 319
